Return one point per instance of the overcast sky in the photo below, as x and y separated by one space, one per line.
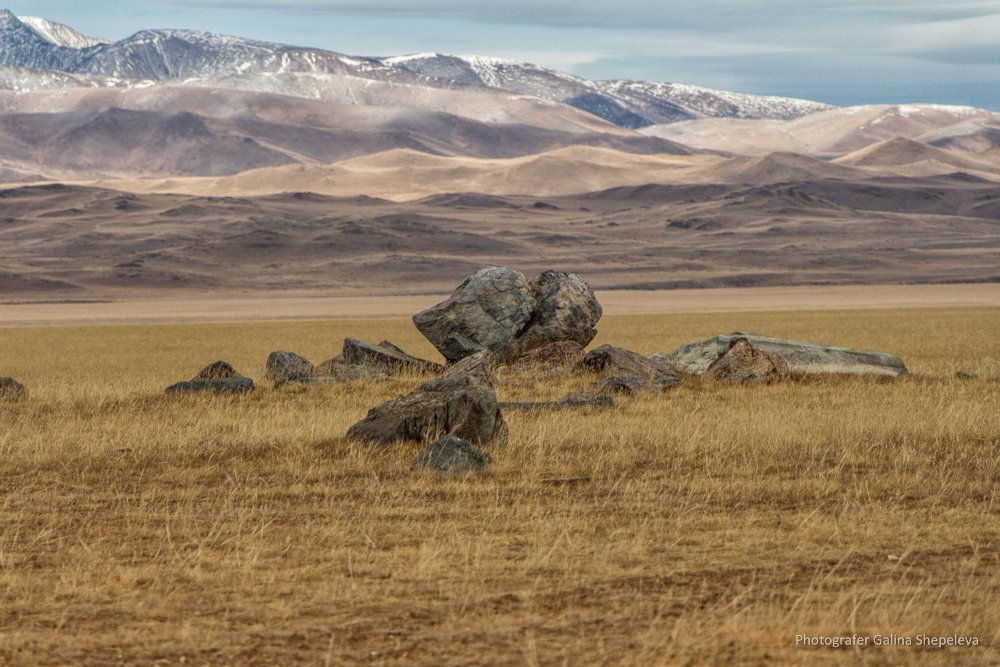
843 52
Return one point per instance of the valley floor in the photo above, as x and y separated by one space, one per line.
713 523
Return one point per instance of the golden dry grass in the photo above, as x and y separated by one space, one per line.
713 523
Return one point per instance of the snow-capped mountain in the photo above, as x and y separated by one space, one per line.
200 57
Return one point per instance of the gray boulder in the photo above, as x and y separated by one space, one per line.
385 357
450 455
284 366
487 310
11 389
478 364
235 385
566 310
463 406
497 309
800 358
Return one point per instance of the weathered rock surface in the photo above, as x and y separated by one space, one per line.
497 309
463 406
635 384
385 357
326 368
478 364
801 358
613 361
234 385
572 401
11 389
285 366
450 455
560 353
744 361
217 370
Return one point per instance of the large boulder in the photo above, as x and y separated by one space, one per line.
385 357
497 309
566 310
283 367
450 455
11 389
463 406
800 358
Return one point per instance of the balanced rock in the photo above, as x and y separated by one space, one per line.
450 455
800 358
285 366
11 389
385 357
497 309
234 385
462 406
611 361
217 370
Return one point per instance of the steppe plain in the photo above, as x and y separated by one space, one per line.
712 523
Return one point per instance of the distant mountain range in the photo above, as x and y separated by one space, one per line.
187 103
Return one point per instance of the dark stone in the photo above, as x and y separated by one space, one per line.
613 361
285 366
11 390
463 406
385 357
559 353
573 401
236 385
450 455
962 375
634 384
216 371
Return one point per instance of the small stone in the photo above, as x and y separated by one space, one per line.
216 371
237 385
572 401
634 384
11 389
449 456
285 366
962 375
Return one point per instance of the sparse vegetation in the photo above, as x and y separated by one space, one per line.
711 523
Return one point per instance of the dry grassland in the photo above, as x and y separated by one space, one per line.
713 523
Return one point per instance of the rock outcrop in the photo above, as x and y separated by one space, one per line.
449 456
463 406
800 358
498 309
385 357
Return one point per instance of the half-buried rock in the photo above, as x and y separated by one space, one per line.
385 357
285 367
463 406
236 385
800 358
450 455
11 389
498 309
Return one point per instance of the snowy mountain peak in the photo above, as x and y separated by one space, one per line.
59 34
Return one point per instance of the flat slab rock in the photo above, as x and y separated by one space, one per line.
799 357
236 385
385 357
463 406
449 456
573 401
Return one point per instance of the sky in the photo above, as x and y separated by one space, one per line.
843 52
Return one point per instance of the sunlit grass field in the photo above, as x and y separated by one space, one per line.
712 523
